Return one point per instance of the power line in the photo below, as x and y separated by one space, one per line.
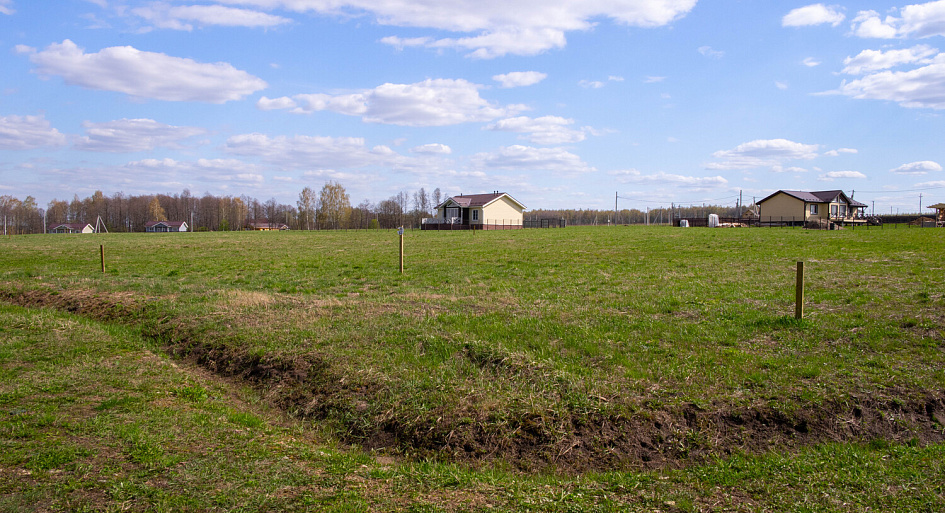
651 202
929 188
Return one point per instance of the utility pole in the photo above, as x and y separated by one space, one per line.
615 208
920 203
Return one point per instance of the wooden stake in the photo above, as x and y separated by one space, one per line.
101 250
401 232
799 292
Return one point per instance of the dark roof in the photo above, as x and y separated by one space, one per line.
816 197
477 200
262 223
71 226
176 224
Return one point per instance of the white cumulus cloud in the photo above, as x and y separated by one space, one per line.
544 130
129 135
917 168
708 51
763 153
158 76
838 151
183 17
789 169
432 149
869 24
833 175
433 102
496 28
28 132
519 78
661 178
914 21
869 61
6 7
816 14
212 170
517 157
321 152
922 87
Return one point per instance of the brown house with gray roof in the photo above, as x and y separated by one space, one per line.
799 207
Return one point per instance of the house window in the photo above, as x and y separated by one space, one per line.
833 210
452 212
475 215
843 210
813 210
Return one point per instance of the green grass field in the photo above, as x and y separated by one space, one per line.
609 368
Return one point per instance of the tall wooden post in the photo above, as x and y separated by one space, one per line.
799 292
101 250
401 232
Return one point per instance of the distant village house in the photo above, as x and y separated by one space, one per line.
802 207
495 211
265 226
165 226
72 228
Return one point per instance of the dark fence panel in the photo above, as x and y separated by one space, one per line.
547 222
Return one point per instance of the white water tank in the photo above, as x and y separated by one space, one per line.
684 223
713 220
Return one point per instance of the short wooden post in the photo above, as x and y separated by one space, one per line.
799 292
401 232
101 250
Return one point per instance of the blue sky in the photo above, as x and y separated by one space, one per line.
560 104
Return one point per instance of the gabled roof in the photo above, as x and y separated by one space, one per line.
262 223
478 200
817 197
175 224
71 226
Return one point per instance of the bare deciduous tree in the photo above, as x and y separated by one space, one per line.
334 205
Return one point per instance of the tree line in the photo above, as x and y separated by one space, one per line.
328 208
662 215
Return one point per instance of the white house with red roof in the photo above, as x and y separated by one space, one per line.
495 211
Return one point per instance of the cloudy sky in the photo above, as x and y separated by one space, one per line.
561 104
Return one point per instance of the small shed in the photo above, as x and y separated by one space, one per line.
72 228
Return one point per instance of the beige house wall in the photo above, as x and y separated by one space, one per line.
783 206
501 211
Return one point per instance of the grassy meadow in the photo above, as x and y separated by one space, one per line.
617 368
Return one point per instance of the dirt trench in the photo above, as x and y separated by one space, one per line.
677 436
